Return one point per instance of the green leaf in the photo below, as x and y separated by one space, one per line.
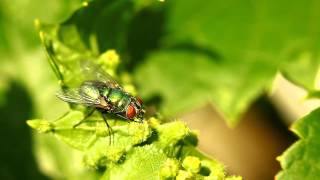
137 150
242 46
125 137
281 34
92 136
186 80
302 69
301 160
143 163
17 33
59 161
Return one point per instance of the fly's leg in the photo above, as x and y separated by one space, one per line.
85 117
109 128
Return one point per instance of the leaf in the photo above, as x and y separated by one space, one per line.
58 160
137 150
302 69
271 31
245 43
17 30
125 137
92 136
186 80
142 163
301 160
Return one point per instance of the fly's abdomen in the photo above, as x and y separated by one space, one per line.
118 99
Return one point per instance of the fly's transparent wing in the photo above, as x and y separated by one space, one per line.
75 96
93 72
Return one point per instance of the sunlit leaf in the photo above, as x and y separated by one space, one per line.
301 160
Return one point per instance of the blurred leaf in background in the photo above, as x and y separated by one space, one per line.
228 53
17 17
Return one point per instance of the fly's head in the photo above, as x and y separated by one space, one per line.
135 110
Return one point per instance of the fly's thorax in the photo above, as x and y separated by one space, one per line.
104 91
118 98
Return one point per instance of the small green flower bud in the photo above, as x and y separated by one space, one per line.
169 169
191 164
184 175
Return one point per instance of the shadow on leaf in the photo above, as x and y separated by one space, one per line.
16 158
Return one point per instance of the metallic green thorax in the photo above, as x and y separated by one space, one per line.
118 98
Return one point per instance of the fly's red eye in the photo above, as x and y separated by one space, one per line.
139 100
131 112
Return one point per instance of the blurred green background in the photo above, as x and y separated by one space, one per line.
211 63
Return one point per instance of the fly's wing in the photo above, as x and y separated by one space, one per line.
93 72
74 96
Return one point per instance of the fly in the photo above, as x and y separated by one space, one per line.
101 92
